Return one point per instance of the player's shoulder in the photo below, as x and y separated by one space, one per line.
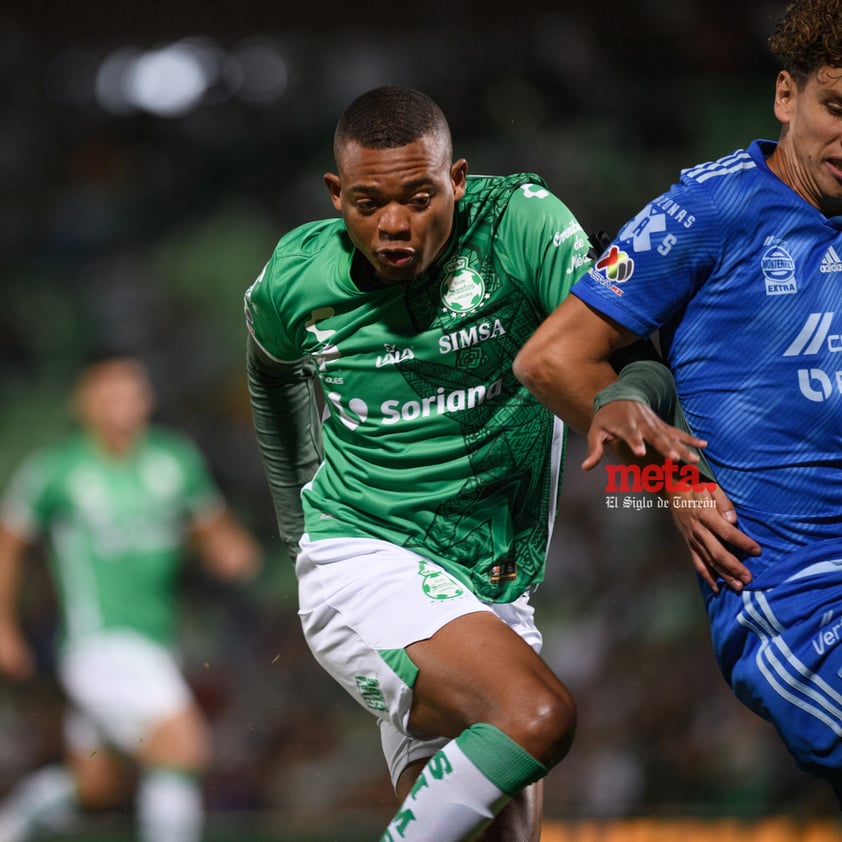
170 440
48 462
312 239
480 188
522 199
732 172
314 247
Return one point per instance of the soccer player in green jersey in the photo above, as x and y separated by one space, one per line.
425 499
118 501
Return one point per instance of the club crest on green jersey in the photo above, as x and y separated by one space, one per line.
462 289
437 584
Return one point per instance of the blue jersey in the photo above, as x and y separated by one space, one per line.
743 279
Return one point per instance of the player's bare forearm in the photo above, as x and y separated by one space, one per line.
229 551
16 660
562 375
567 361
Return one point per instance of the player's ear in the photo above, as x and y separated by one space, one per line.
785 92
334 187
458 176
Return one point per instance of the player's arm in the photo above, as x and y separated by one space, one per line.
572 357
566 363
711 534
288 433
227 549
16 659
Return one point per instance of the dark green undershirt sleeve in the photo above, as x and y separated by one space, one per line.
651 383
288 430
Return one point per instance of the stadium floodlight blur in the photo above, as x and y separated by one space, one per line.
174 79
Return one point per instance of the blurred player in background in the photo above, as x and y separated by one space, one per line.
119 503
427 514
738 266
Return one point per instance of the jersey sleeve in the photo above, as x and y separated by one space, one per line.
656 262
27 502
288 434
202 498
262 312
543 244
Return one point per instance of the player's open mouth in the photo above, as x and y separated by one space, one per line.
396 258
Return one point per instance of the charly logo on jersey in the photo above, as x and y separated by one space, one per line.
534 191
778 267
817 335
830 262
463 289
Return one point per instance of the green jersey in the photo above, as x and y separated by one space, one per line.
430 442
116 527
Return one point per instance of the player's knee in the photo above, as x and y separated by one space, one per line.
101 791
181 742
547 725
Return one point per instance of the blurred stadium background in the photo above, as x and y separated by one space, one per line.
150 157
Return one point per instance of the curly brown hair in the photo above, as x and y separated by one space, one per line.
808 37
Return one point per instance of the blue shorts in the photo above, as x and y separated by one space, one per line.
779 644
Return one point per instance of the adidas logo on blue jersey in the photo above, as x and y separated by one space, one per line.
831 262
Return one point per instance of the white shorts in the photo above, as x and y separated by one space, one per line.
362 602
120 685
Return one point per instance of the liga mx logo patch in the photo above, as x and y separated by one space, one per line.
463 289
616 265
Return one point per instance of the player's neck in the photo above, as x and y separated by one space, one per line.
116 445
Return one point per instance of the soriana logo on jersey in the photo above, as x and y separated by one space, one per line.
463 289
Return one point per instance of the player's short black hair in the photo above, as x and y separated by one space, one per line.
388 117
808 37
101 351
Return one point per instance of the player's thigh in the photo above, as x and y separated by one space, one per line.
362 603
477 669
124 687
182 741
403 749
790 669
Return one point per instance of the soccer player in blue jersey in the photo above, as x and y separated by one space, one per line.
738 268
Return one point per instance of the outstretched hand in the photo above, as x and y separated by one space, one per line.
705 517
636 425
706 521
